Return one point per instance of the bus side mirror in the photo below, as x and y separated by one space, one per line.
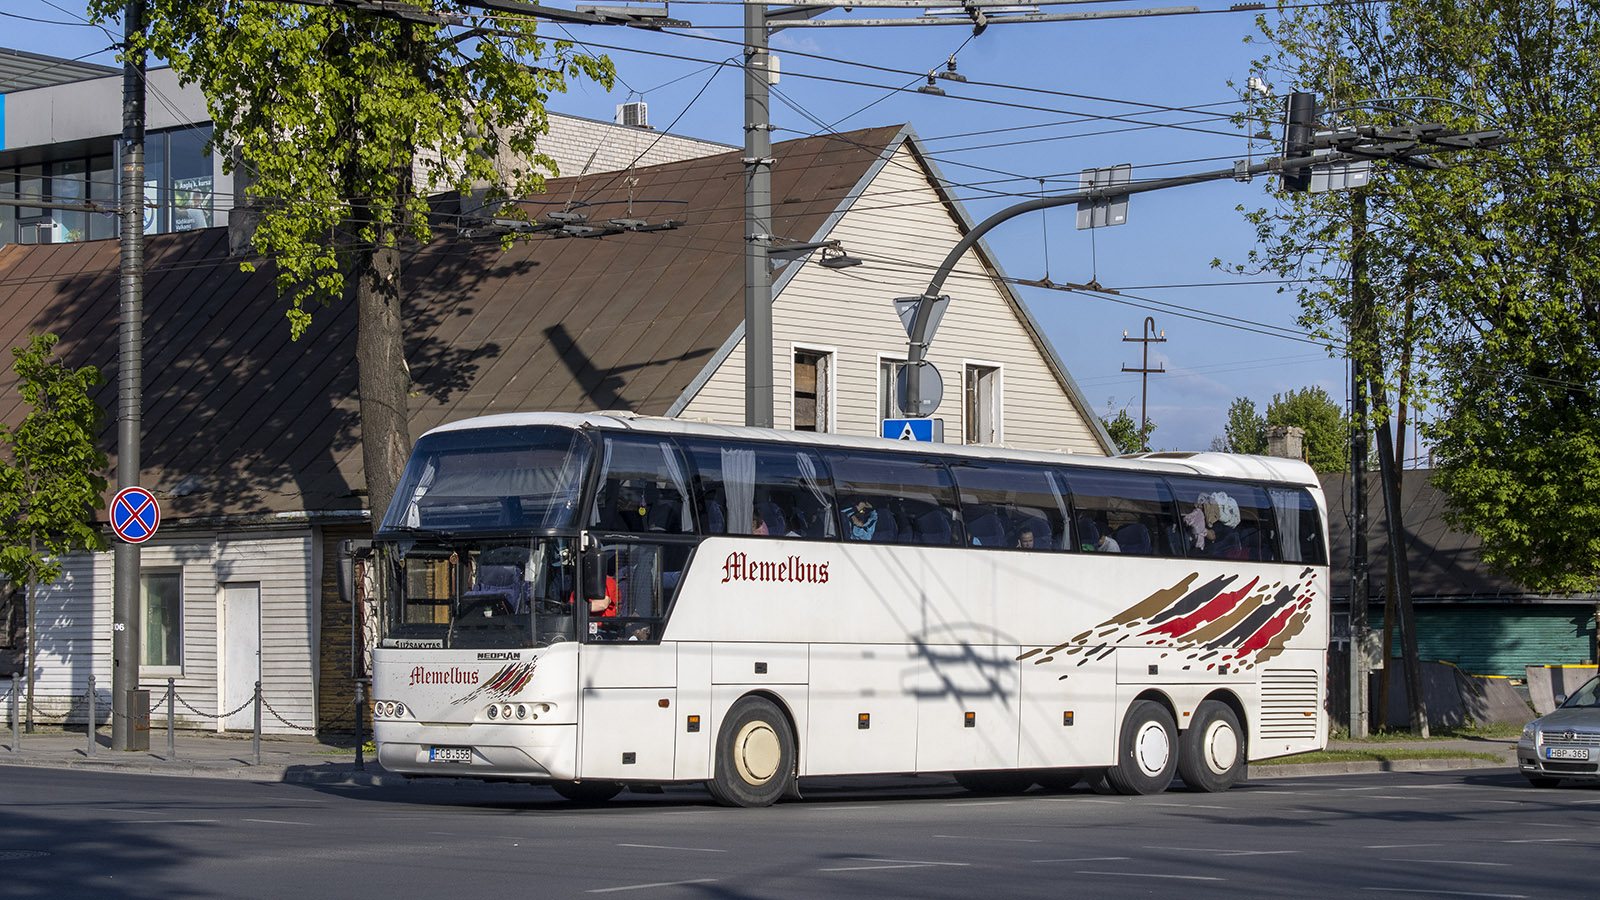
594 575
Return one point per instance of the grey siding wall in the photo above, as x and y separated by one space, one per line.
75 616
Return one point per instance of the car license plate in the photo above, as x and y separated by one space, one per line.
1566 753
450 754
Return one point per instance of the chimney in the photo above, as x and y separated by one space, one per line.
1287 441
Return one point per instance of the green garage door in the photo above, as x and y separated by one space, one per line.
1502 638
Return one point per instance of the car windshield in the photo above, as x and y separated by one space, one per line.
477 593
1588 695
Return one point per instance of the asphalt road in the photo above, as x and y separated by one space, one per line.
1472 833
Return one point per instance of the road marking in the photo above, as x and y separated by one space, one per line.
1395 846
1389 890
1148 875
642 887
165 822
1234 852
1446 862
964 837
1539 841
272 822
1087 859
1371 788
684 849
1081 800
981 803
1189 805
891 864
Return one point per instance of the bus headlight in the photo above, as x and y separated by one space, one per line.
522 711
494 711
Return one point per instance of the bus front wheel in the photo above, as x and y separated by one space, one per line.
1146 754
755 759
1211 751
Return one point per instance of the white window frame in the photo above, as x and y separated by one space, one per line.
144 618
831 425
996 395
881 394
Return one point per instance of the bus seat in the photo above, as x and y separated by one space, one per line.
1134 538
773 518
888 530
1043 536
716 522
989 530
933 527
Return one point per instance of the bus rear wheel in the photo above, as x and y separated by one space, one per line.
1211 752
755 760
1146 757
587 791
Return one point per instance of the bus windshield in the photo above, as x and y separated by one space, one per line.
477 593
492 479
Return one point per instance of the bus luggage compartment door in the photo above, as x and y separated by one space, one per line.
627 733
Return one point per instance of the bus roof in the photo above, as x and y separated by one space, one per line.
1222 465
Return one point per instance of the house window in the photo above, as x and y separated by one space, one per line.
981 410
888 397
813 390
161 601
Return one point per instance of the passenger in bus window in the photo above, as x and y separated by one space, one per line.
1222 520
1025 539
758 525
863 521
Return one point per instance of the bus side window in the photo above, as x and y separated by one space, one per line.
908 499
761 490
1011 506
1299 529
1122 512
1227 519
644 488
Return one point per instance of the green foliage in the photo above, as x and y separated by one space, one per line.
1498 252
1327 429
328 108
50 474
1246 431
1125 432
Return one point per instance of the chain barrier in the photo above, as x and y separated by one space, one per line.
268 707
72 705
205 715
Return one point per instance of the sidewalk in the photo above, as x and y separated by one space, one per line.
302 760
305 760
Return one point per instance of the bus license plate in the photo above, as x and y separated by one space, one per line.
450 754
1581 753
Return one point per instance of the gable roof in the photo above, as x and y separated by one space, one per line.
239 420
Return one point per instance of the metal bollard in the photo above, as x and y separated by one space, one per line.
361 739
255 738
172 750
90 728
16 716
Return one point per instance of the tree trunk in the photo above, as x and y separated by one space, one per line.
384 379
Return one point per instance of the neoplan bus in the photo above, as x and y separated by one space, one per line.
593 601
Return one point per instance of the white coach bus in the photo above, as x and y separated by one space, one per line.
593 601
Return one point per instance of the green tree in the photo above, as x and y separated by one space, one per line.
347 121
50 478
1498 251
1125 431
1327 429
1246 431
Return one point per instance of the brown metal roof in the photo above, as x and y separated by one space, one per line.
1445 563
238 419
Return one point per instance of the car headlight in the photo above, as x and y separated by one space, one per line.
1530 732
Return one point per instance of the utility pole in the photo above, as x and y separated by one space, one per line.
1358 467
125 619
1144 376
757 219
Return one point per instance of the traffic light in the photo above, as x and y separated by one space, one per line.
1298 125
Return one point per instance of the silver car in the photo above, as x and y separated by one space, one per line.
1565 743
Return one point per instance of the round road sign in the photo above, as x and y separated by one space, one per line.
135 514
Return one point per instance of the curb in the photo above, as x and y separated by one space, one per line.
1371 767
270 773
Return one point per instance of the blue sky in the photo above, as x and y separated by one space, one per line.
1161 260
